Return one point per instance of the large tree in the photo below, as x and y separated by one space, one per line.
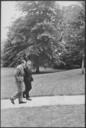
37 33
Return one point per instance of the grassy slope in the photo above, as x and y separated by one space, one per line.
50 116
55 83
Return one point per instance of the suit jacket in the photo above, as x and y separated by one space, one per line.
28 74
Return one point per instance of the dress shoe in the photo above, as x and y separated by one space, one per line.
28 98
22 102
12 100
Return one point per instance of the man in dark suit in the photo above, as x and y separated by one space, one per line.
27 79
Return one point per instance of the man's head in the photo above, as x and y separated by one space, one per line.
26 57
29 64
22 62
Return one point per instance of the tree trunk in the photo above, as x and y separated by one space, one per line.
37 64
37 69
83 69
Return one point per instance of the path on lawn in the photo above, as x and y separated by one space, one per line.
45 101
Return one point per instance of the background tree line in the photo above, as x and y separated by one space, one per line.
51 36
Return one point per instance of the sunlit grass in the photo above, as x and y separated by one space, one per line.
55 83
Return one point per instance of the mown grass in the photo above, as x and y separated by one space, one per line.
49 116
49 82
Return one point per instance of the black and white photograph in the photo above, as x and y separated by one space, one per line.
42 63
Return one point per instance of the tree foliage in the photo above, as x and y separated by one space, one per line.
46 33
36 33
74 35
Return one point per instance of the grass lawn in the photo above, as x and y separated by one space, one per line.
55 83
50 116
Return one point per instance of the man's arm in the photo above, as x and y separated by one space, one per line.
18 75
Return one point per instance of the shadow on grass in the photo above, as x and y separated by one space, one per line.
46 72
53 71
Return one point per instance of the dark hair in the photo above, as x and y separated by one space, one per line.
25 58
29 58
20 61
